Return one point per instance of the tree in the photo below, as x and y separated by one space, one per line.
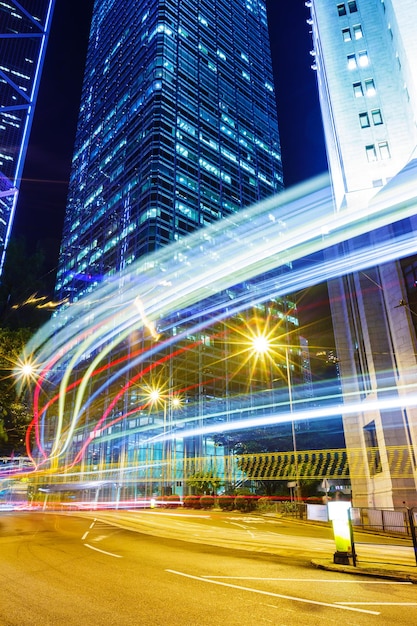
204 482
14 410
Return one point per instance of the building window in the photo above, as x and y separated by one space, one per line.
370 87
352 6
377 117
346 34
370 153
358 90
357 31
351 61
364 120
384 150
341 9
372 449
363 59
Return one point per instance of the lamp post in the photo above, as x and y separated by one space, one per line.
261 345
294 439
168 403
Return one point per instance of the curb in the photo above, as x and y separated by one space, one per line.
387 574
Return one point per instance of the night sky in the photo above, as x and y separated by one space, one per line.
41 206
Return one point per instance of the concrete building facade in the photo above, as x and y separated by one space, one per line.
364 54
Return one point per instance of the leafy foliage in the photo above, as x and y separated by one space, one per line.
204 482
14 411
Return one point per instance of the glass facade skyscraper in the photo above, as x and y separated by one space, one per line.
177 128
24 29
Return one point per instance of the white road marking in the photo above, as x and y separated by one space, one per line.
248 520
244 528
117 556
162 513
92 523
381 603
85 535
274 595
316 580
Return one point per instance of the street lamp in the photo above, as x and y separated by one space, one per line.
261 344
168 403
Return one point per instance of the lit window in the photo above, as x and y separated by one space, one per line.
384 150
341 9
351 61
346 34
370 153
363 59
358 90
370 87
364 120
352 6
357 31
377 117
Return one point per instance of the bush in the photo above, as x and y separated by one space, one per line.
192 502
207 502
226 503
245 504
172 501
265 504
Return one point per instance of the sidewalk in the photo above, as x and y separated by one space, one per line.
381 570
388 571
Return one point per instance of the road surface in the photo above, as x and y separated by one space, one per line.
71 570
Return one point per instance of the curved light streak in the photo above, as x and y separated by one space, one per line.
271 235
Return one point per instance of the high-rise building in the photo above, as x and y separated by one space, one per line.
365 53
177 128
24 30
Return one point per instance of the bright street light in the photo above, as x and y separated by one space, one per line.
262 345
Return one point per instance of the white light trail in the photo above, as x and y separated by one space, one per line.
271 235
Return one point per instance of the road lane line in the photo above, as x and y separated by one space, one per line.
316 580
381 603
244 528
85 535
269 593
117 556
167 513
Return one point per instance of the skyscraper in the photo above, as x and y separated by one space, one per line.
177 128
24 30
365 53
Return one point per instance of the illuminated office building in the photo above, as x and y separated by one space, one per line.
364 54
24 30
177 128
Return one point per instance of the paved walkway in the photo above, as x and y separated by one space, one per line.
380 570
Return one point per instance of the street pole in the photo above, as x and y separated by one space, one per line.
294 440
164 452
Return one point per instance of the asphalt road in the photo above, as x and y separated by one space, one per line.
66 569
